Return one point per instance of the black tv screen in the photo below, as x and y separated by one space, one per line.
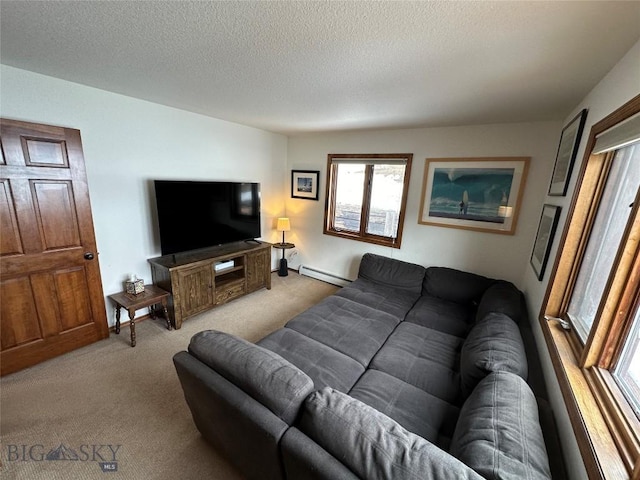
194 215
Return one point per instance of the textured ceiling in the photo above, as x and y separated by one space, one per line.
296 67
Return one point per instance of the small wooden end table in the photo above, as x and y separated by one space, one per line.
151 295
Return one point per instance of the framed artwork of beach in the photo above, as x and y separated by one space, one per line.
482 194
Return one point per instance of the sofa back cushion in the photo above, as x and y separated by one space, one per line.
498 432
494 344
502 297
371 444
264 375
455 285
391 272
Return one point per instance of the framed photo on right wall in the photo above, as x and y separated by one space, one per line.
566 155
544 238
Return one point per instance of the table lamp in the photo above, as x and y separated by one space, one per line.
283 226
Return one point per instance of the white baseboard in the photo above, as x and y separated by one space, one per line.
324 276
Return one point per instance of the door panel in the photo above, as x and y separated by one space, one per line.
52 299
38 152
72 301
10 241
55 213
18 302
44 290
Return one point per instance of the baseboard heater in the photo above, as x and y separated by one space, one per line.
324 276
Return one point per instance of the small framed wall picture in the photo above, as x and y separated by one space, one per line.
544 238
304 184
566 155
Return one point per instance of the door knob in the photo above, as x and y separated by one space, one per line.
88 256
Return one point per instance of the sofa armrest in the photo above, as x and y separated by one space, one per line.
371 444
494 344
304 458
502 297
238 426
498 433
264 375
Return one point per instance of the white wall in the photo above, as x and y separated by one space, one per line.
620 85
128 142
490 254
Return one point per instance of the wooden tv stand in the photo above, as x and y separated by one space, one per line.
203 279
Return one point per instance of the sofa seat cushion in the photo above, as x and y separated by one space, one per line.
371 444
455 285
264 375
414 409
494 344
356 330
498 432
325 366
443 315
423 357
385 298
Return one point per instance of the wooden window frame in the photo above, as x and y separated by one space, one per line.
330 205
606 428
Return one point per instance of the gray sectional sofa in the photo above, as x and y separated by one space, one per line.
408 372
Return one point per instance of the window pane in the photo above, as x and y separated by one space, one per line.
611 220
627 372
349 190
386 200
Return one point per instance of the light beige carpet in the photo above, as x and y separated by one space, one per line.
109 402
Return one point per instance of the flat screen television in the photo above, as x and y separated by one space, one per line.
195 215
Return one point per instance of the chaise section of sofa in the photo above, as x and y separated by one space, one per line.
243 398
384 379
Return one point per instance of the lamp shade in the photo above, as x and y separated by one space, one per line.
283 225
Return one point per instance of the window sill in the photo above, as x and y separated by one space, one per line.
600 454
384 241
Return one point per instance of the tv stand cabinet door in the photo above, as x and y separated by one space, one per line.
195 291
258 270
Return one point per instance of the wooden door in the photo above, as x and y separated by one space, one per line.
195 286
51 298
